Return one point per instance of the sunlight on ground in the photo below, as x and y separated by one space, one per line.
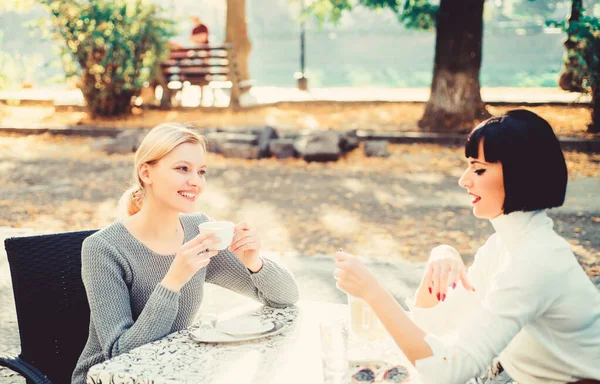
399 190
268 222
108 211
59 183
340 222
19 116
385 197
216 198
425 178
458 198
8 166
355 185
379 246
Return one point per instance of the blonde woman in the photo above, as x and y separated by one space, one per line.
144 274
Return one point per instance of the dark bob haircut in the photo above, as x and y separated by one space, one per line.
534 167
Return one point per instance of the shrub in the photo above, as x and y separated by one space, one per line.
113 46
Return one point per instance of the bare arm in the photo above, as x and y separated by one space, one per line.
406 334
355 279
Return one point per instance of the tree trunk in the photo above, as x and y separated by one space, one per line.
571 75
594 127
455 102
237 36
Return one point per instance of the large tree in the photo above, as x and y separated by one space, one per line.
455 100
237 36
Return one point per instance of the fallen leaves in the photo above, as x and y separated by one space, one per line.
364 205
567 120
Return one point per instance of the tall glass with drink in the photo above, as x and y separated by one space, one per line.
366 331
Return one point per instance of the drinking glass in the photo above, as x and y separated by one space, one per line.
334 352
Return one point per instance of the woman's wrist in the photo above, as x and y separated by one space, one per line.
171 283
423 298
255 265
374 293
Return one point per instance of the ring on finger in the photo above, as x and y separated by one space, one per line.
336 273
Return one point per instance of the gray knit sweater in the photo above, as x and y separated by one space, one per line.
130 308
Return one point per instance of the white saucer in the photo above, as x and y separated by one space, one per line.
216 336
244 326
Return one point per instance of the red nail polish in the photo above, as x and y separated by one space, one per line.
443 296
438 296
429 290
453 285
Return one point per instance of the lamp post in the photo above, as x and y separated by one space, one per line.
300 76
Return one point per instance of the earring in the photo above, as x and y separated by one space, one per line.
138 194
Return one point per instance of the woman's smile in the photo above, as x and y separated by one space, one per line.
189 195
475 198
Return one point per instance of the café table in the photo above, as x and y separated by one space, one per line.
292 356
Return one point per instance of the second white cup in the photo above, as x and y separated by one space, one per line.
222 230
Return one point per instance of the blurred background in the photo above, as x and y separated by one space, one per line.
522 43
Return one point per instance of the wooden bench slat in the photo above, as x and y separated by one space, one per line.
196 71
192 76
197 80
202 47
194 63
202 54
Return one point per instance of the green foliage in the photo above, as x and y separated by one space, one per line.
587 34
418 14
113 46
327 11
415 14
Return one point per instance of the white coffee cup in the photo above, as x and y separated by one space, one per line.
222 230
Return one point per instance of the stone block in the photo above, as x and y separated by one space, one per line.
264 136
376 148
320 146
282 148
239 150
349 141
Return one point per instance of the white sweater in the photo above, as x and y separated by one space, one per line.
534 306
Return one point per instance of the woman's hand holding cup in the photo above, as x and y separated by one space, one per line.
191 257
246 246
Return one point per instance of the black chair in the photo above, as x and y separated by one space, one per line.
52 308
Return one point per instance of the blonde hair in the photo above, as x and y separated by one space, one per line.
158 143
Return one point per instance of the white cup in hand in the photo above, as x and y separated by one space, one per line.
223 230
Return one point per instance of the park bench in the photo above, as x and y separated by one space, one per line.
207 65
